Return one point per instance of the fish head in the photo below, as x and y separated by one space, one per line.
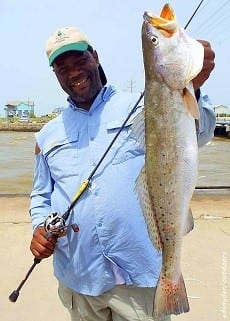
169 54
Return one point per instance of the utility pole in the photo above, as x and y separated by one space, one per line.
131 85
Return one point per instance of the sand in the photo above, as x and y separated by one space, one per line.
205 263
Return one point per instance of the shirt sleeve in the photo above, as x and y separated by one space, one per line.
40 206
207 121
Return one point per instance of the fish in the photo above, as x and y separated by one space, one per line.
166 130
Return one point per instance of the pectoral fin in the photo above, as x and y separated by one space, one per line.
190 103
189 223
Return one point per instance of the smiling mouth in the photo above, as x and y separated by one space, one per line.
79 82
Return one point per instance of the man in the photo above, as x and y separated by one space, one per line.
108 270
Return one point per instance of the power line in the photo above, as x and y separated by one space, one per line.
215 21
219 15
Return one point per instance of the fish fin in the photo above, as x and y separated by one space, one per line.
147 206
189 224
170 297
191 103
138 128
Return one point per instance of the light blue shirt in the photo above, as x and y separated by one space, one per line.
112 228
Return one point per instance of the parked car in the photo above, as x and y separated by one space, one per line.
24 118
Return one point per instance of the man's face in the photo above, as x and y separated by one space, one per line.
78 75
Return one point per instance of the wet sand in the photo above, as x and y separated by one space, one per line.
205 264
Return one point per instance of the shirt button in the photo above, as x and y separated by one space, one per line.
99 224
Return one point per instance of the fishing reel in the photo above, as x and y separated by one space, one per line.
55 225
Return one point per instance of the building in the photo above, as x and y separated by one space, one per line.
221 110
17 108
222 120
57 111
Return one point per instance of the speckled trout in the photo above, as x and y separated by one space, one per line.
167 181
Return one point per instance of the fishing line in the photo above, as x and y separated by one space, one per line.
193 15
15 294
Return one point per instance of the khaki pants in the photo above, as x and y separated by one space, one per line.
122 303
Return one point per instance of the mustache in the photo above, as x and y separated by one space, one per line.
78 79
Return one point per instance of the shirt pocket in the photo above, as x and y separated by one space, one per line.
126 146
62 157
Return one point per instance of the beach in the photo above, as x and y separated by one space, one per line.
205 263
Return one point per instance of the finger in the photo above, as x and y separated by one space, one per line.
205 43
40 251
39 255
51 239
41 236
208 67
208 51
209 55
42 244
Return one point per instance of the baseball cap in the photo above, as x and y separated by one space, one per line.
69 39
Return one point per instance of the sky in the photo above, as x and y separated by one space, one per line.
114 29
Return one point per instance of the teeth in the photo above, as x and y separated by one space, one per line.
78 83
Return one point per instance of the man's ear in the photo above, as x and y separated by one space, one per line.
95 56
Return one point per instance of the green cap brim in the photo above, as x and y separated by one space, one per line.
76 46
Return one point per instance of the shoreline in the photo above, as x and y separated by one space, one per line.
204 205
21 127
37 126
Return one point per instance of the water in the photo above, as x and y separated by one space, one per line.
214 163
17 162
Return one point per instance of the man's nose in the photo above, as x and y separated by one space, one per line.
74 71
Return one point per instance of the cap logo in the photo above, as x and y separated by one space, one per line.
61 36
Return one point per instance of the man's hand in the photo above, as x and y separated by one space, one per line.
208 65
40 246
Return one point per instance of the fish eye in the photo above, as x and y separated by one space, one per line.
154 40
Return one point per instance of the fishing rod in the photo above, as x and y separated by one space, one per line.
54 224
215 187
193 15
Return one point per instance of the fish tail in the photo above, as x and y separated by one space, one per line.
170 297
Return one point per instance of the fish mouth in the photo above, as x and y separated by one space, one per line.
166 22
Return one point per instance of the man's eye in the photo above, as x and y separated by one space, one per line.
61 71
82 62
